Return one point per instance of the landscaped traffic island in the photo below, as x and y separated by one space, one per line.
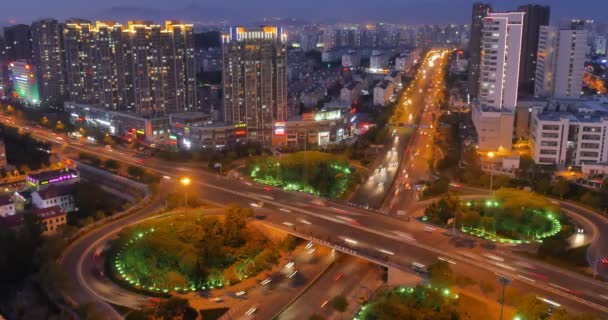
191 252
314 172
509 216
421 302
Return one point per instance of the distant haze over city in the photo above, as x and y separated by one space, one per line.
239 11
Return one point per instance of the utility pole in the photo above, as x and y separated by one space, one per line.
504 281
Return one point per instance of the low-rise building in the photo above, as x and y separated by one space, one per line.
7 205
43 179
61 196
383 92
569 138
494 127
378 62
351 92
51 218
595 169
197 130
394 77
312 129
121 124
311 96
351 59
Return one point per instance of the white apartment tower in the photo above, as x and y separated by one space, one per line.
500 55
493 116
560 62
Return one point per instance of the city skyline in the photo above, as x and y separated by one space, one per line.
209 11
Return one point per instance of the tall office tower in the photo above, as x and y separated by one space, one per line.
255 80
48 59
545 62
535 17
493 116
599 44
587 25
328 38
142 67
561 61
18 41
480 10
4 76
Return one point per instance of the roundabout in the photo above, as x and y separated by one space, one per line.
510 216
190 252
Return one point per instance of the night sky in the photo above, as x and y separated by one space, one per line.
248 11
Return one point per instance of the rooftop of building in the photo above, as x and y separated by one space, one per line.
6 199
383 84
50 174
393 74
55 191
50 212
189 116
352 85
582 117
11 221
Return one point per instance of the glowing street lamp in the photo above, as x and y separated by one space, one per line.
491 156
185 181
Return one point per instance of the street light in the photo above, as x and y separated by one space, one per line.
491 156
185 181
504 282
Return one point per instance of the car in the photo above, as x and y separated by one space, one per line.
324 303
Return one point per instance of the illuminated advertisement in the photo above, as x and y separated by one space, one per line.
328 115
323 138
279 128
51 177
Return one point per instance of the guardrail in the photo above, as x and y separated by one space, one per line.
60 298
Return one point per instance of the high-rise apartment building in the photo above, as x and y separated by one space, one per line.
493 116
561 62
480 10
500 57
48 59
255 80
18 42
535 17
142 67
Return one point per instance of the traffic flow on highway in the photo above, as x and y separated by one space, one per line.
377 237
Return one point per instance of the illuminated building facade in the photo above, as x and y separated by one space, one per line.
48 59
255 80
142 67
25 86
493 116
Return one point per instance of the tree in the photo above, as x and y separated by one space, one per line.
175 307
112 164
543 185
486 287
591 199
440 274
135 171
531 308
339 303
561 187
